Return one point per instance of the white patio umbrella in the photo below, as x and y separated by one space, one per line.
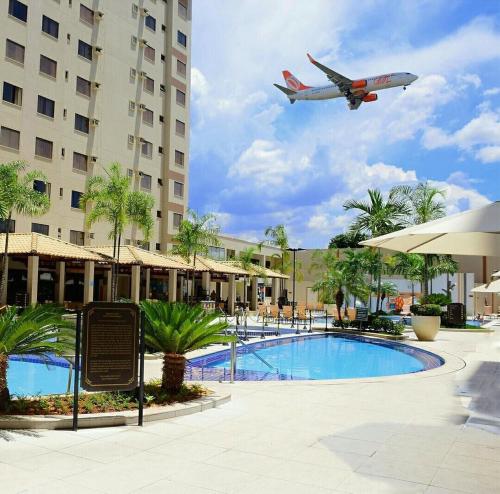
491 287
496 275
475 232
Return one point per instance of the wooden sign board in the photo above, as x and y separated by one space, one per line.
456 313
110 346
361 314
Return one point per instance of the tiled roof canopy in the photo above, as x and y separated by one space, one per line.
43 245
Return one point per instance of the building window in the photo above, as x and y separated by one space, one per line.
158 246
217 253
86 14
50 26
39 228
76 237
81 123
84 50
147 116
180 128
18 10
11 226
9 138
12 94
146 148
182 11
14 51
48 66
79 162
178 189
149 53
181 38
46 106
149 85
150 22
83 86
75 199
179 158
177 220
43 148
180 97
181 68
145 181
41 186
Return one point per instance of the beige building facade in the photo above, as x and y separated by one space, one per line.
87 83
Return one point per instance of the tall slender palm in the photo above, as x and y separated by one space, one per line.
379 216
112 200
410 266
38 330
18 196
355 264
197 233
425 203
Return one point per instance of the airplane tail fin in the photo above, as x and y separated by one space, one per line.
292 82
288 92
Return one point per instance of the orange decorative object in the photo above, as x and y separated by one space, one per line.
359 84
370 97
399 302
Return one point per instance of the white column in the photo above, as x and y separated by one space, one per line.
205 282
61 281
148 283
135 283
231 294
172 285
274 291
33 263
88 282
109 287
254 298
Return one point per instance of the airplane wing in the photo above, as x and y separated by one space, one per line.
343 83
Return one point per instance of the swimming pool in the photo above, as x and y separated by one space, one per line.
31 376
315 357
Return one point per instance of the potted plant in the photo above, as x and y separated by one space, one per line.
175 329
426 321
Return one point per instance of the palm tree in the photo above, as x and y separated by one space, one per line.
410 266
355 265
379 216
38 330
112 200
18 196
278 237
196 235
425 204
175 329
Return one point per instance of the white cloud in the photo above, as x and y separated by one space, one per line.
492 91
469 80
489 154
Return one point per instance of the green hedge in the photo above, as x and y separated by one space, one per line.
436 299
426 310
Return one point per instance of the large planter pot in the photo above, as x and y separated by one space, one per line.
426 327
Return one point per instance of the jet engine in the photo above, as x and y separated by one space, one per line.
358 84
370 97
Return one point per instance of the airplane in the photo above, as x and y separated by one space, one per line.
356 91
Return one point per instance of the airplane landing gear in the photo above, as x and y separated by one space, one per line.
404 88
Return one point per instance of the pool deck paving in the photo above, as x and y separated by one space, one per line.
436 432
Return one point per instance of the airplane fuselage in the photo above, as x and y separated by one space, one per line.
374 83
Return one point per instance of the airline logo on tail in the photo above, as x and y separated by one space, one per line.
292 82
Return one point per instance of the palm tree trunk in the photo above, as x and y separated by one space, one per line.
3 283
115 287
192 284
412 293
425 281
174 366
4 390
339 301
113 267
370 294
379 284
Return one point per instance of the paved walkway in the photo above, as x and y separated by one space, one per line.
398 435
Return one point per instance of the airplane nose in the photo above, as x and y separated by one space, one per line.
414 77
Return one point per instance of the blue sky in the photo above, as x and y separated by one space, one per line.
257 161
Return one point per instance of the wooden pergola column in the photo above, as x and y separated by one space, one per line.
274 291
109 284
205 281
61 281
33 263
88 282
254 298
172 285
135 285
231 294
147 283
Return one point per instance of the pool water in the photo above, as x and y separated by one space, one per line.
318 357
33 377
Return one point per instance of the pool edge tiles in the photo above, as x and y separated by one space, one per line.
202 368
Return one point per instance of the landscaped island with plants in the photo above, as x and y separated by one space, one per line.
171 328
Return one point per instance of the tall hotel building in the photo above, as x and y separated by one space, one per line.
86 83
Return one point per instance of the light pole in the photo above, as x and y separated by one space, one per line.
294 250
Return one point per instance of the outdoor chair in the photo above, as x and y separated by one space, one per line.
262 312
302 316
274 313
287 313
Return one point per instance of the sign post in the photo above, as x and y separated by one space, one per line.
142 348
76 382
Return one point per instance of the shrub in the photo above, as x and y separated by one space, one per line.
426 310
436 299
398 328
382 324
